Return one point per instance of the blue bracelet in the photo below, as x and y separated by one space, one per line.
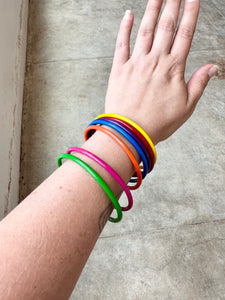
129 138
114 121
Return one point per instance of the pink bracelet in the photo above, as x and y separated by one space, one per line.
110 170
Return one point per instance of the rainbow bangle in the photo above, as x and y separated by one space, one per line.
110 170
129 138
140 137
136 127
134 136
91 129
99 180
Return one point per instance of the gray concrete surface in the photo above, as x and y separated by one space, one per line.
13 33
172 244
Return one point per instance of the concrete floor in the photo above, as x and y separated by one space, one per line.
172 244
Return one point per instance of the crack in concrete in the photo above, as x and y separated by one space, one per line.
162 229
69 60
6 207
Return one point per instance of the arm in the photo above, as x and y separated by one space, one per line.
46 241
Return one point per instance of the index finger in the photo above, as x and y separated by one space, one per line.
183 39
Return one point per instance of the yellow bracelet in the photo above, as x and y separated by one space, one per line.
135 126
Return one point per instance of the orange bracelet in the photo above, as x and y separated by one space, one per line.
125 148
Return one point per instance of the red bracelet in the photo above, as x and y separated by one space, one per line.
141 138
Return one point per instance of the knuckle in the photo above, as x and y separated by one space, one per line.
149 66
186 32
146 32
174 66
121 45
167 25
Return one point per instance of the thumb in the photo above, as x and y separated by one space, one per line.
198 82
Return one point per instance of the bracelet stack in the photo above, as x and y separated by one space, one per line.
137 137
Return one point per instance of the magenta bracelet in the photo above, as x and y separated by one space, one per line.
110 170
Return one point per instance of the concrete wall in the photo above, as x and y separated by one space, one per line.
13 34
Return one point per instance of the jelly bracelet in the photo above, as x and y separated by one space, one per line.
110 170
129 138
140 137
91 129
134 136
128 121
99 180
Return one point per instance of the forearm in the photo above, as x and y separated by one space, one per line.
47 239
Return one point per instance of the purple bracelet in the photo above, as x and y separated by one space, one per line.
114 121
110 170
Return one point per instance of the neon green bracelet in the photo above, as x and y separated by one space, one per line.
99 180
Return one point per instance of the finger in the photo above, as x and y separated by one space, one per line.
122 51
166 27
198 82
185 33
147 28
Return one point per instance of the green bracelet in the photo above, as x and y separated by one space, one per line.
100 181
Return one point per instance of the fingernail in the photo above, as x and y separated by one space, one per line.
191 0
213 71
127 15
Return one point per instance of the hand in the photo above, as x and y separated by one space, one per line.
149 87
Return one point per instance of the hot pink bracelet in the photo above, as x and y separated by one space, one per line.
110 170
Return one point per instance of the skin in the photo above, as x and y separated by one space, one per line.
46 240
